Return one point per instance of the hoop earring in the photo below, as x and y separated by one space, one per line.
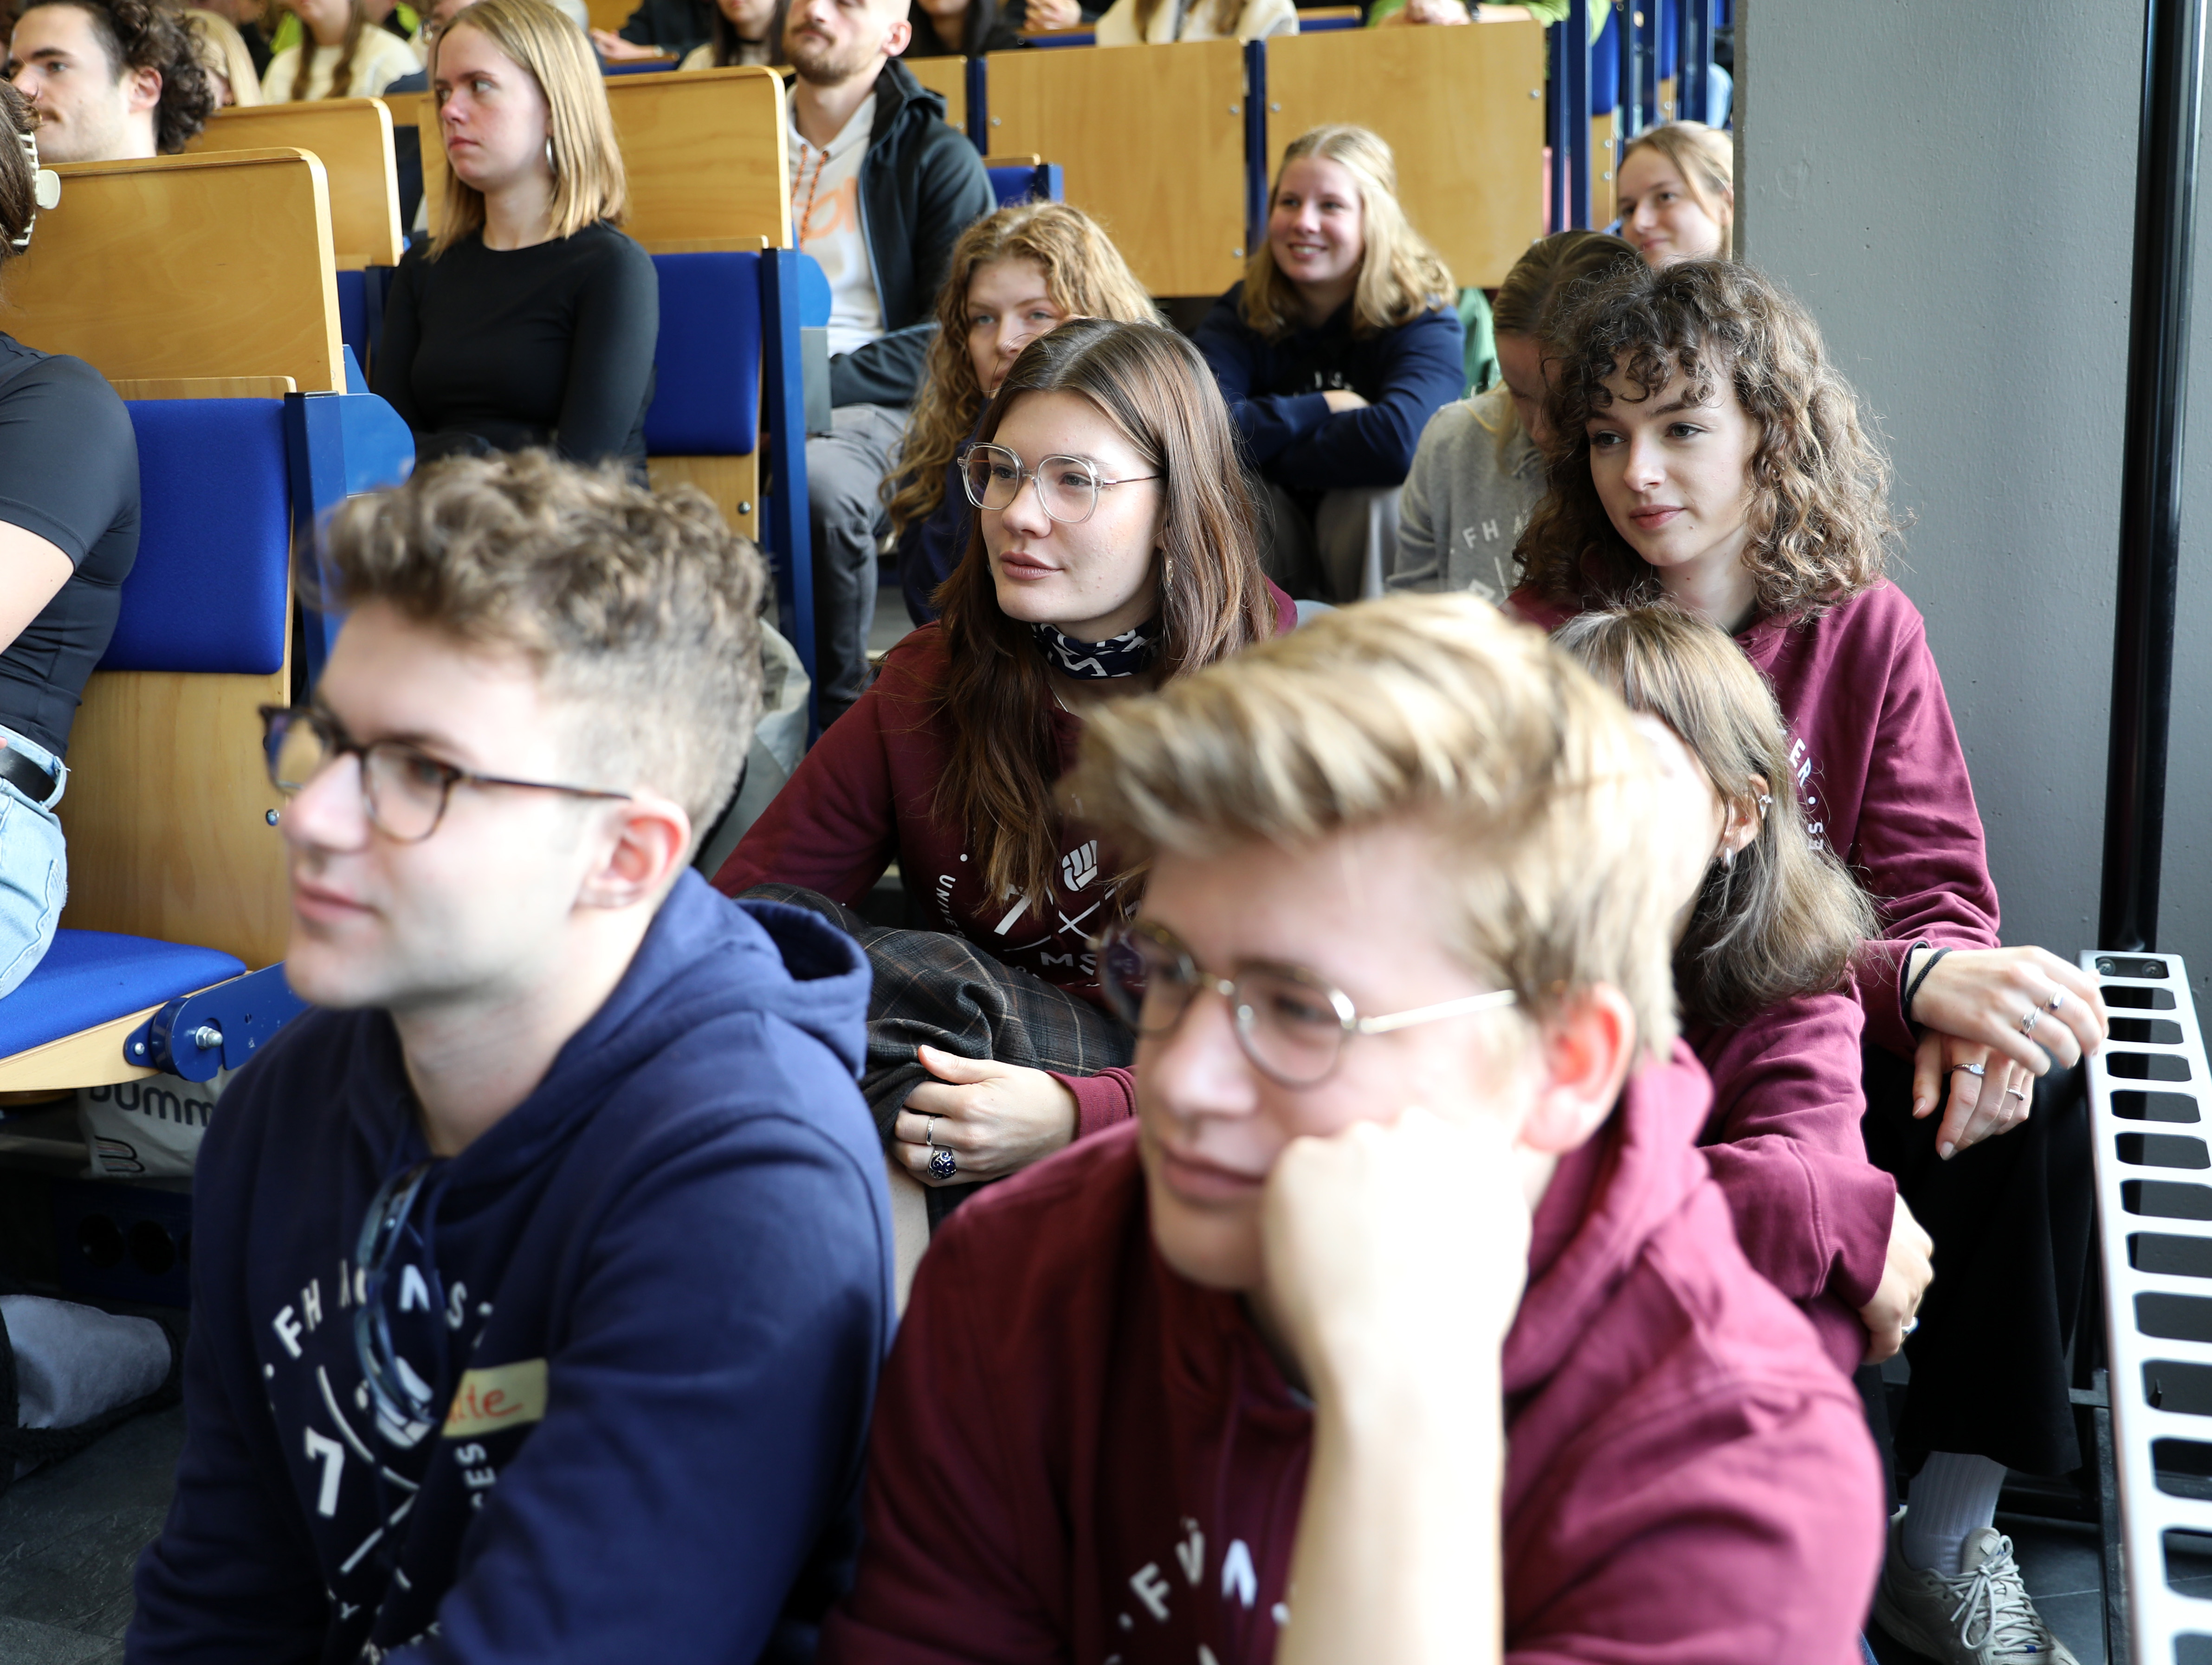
1727 858
551 166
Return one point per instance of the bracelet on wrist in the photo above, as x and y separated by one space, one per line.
1912 990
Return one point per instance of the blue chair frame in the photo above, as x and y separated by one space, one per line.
702 393
165 1006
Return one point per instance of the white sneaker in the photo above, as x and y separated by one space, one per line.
1981 1617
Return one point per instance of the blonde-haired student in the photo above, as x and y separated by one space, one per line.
530 319
1339 344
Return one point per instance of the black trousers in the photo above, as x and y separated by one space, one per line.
2011 1218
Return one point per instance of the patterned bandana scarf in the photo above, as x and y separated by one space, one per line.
1089 661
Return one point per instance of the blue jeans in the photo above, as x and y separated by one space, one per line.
33 870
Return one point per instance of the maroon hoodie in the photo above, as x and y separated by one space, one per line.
1812 1212
866 795
1078 1455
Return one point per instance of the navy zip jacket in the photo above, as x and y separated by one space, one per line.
921 186
1274 390
655 1296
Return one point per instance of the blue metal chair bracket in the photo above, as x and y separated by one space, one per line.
1256 144
218 1028
979 105
338 445
1574 83
784 414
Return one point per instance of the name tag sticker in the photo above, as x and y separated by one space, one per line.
505 1396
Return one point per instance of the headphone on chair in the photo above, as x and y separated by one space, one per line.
45 188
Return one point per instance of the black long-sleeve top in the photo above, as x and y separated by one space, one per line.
550 345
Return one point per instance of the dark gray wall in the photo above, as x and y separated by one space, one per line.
1951 190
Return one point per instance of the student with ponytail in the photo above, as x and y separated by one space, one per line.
1480 469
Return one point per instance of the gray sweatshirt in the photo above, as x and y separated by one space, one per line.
1465 503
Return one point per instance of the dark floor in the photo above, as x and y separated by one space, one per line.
70 1536
2060 1562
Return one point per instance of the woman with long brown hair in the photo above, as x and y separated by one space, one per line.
1706 452
1114 550
1015 275
1762 970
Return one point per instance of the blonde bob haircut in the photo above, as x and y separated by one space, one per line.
1705 158
1433 708
589 184
1401 276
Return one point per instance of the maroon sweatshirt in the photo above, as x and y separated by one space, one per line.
866 795
1812 1212
1881 779
1079 1455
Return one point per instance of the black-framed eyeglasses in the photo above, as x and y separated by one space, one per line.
402 1398
403 788
1293 1023
1067 487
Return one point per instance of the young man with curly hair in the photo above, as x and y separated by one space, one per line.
542 1274
112 79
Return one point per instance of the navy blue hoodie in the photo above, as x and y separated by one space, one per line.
1275 388
666 1274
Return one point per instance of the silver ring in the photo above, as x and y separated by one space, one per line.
2057 999
2027 1023
929 1132
1975 1070
2014 1092
943 1165
1909 1325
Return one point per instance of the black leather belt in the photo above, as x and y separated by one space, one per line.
27 777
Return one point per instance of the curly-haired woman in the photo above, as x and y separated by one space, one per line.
1339 344
1014 275
1706 452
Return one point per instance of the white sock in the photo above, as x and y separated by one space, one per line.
1953 1496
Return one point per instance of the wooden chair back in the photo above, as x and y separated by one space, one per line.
1152 141
352 137
167 809
1463 108
218 264
948 76
706 151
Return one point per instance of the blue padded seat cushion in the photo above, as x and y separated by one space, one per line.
93 977
707 363
209 592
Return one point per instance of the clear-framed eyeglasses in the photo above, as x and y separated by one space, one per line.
404 789
1293 1023
1067 487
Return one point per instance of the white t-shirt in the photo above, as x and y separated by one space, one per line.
703 58
825 218
381 59
1193 19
